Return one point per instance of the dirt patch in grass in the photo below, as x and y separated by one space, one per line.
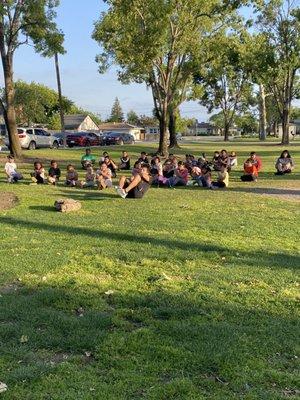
10 288
8 200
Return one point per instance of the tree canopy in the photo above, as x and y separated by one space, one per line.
22 22
116 114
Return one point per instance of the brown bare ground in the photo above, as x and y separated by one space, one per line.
8 200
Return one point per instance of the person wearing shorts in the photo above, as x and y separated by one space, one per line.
137 186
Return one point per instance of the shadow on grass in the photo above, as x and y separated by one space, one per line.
43 208
269 191
148 342
188 250
83 194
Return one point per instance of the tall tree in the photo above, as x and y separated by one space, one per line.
20 22
116 114
226 78
155 42
132 117
36 103
279 24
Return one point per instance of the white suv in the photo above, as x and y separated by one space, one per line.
33 138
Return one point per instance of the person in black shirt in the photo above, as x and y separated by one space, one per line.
111 165
125 161
136 186
143 159
53 173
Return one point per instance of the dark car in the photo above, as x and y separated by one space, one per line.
83 139
60 137
117 138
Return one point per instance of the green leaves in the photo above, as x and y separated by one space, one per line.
36 103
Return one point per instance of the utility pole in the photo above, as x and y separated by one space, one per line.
61 109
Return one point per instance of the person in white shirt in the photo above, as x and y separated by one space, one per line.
10 168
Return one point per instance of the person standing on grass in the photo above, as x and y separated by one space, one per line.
11 172
284 164
137 186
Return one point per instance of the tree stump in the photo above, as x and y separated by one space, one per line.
67 205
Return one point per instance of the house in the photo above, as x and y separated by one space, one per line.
297 123
204 129
292 130
80 122
122 127
151 133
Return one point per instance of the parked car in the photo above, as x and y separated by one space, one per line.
33 138
60 137
117 138
83 139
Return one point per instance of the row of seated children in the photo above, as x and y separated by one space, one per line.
170 173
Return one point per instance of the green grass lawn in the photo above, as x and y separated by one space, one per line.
185 294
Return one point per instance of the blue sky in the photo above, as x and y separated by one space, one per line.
80 79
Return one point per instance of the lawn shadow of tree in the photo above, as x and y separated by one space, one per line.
159 337
187 250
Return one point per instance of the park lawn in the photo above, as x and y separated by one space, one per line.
185 294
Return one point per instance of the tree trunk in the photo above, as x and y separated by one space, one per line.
172 130
263 114
285 127
226 132
61 109
163 136
14 142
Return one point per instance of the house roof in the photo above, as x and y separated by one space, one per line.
116 125
205 125
74 121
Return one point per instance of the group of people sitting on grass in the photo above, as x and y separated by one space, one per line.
149 171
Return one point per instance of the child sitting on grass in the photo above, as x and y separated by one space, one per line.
137 168
136 186
11 172
38 174
143 158
250 171
104 176
111 165
196 176
53 173
87 159
205 178
181 176
284 164
232 160
71 176
222 180
89 178
125 161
